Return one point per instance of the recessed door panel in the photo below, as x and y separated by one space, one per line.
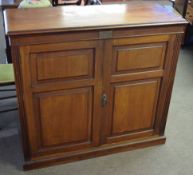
130 58
64 64
132 109
66 116
134 106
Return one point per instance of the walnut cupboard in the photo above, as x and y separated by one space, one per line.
92 86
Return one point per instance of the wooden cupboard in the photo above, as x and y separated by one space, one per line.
91 91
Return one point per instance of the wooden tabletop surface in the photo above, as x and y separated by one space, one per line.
70 18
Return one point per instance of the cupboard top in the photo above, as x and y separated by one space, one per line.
77 18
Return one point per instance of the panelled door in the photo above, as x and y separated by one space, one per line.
134 70
83 94
62 86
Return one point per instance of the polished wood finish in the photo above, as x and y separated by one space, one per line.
87 90
66 118
133 107
68 113
64 64
137 57
90 17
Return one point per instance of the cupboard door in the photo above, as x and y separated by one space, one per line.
132 108
65 116
132 83
63 88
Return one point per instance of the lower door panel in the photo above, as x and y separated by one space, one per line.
132 109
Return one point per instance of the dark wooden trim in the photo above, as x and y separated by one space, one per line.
170 79
95 152
22 114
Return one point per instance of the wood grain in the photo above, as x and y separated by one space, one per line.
134 106
63 72
64 64
60 19
65 116
139 57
